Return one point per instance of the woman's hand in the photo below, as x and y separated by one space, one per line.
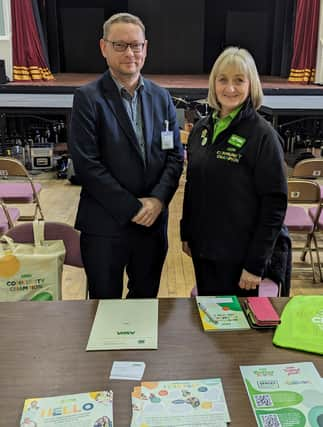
186 248
248 281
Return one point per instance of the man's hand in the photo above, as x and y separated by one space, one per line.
248 281
147 215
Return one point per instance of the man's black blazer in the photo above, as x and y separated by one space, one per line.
107 157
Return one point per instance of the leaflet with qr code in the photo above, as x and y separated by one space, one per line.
270 420
262 400
285 395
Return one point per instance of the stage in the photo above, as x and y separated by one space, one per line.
189 86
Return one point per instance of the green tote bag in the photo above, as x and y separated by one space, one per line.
301 324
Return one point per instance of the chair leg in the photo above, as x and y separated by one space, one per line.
7 215
318 257
306 246
38 208
310 250
39 211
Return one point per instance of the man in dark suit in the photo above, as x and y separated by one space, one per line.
126 151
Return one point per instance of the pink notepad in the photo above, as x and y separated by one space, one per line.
262 311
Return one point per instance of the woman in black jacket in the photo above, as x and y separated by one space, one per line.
236 193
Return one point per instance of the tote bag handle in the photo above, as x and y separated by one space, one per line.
39 232
9 242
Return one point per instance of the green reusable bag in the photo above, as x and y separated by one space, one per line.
301 324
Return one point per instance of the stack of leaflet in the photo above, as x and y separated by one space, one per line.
285 395
82 410
188 403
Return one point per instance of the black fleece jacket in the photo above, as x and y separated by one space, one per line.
236 191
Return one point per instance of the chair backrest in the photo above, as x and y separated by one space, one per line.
18 187
308 168
23 233
12 167
303 191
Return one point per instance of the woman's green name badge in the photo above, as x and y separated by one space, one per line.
237 141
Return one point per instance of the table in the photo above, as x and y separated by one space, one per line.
291 105
39 101
43 353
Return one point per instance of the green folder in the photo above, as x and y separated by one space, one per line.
125 324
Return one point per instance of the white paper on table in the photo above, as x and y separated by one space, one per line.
122 370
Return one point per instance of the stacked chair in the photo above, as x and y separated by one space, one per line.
304 220
17 187
309 169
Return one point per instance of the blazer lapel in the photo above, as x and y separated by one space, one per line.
114 100
147 113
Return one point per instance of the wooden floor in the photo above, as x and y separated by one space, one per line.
59 200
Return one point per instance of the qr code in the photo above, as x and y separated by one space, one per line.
270 420
262 400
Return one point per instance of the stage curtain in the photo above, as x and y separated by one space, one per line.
29 63
40 29
282 37
305 42
53 31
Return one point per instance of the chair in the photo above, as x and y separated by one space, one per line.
17 187
8 216
23 233
309 169
267 288
298 220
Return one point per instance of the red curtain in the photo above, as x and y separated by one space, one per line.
28 59
305 42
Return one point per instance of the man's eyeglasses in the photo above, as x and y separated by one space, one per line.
122 46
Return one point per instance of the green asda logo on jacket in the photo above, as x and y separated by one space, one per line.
237 141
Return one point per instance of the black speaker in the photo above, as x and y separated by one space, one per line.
3 77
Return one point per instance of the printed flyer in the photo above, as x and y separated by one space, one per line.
93 409
286 395
180 403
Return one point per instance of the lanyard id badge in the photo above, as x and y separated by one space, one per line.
167 138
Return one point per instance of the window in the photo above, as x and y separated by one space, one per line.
4 19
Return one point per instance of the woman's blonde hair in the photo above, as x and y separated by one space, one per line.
244 62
